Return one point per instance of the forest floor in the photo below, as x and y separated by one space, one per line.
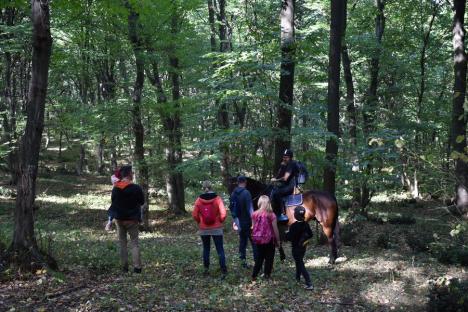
70 226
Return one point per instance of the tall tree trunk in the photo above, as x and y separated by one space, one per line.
175 181
336 30
371 100
223 112
141 167
170 115
24 249
459 115
350 103
286 89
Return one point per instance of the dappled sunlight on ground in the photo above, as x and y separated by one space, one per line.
71 226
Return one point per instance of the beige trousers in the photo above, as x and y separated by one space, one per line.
124 227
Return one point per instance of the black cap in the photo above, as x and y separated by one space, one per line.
241 179
288 152
299 213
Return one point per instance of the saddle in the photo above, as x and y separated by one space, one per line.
295 199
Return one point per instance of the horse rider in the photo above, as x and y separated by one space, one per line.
286 176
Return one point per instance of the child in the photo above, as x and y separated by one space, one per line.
299 234
114 179
265 235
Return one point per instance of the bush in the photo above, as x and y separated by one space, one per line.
419 242
448 295
402 219
383 241
449 254
348 233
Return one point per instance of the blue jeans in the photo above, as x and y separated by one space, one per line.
244 238
218 241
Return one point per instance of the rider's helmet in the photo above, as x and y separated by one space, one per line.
288 152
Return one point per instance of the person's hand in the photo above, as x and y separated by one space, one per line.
108 226
235 227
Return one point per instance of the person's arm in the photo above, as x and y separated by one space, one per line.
196 212
275 230
140 196
222 210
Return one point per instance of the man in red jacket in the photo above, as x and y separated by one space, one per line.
209 212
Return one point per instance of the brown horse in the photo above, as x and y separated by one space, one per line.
319 206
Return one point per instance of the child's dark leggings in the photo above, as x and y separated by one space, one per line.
298 255
265 252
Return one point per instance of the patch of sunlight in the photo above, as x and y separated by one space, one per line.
152 235
389 293
89 201
56 148
377 265
386 197
317 262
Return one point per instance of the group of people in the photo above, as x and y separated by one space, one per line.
257 227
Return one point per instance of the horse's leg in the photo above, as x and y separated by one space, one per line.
328 230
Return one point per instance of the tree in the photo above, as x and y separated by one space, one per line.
459 115
336 30
172 126
138 129
24 249
286 88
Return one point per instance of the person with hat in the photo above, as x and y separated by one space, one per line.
299 235
287 178
127 199
209 212
241 207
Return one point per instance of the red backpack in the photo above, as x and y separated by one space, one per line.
263 229
208 212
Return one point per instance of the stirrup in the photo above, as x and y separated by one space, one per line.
283 218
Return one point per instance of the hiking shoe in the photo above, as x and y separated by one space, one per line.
137 270
309 287
125 269
245 265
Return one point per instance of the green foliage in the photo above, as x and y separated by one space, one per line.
449 295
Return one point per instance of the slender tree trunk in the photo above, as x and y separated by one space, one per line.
138 130
336 30
175 180
422 63
350 104
223 112
459 115
24 249
286 89
371 99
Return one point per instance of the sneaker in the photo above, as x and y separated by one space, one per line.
309 287
137 270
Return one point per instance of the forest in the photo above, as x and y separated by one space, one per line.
370 95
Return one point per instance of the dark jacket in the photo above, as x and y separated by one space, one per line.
241 207
297 232
127 199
